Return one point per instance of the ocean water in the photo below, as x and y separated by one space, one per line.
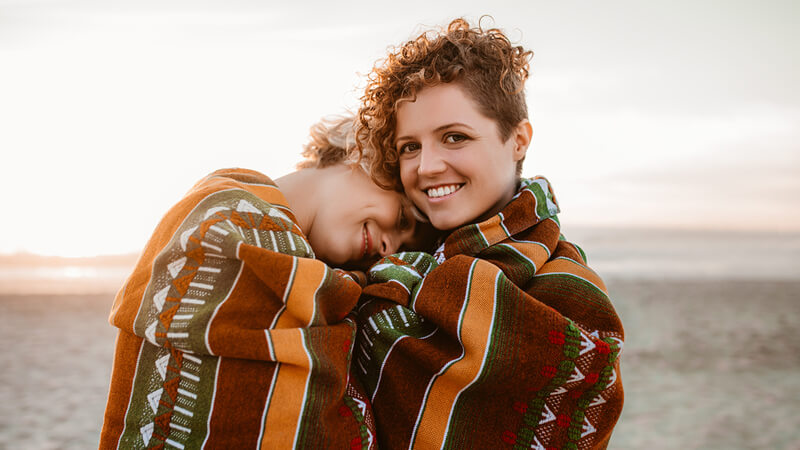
615 253
689 254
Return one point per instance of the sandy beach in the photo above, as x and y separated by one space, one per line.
707 364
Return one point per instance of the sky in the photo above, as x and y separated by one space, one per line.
682 114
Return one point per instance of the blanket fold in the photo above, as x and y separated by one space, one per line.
509 340
231 335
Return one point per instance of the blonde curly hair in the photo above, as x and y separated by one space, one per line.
332 140
491 70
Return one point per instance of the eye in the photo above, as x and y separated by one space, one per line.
455 138
408 148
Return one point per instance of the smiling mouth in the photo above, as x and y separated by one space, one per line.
366 242
443 191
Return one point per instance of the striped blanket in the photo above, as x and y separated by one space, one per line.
504 339
231 335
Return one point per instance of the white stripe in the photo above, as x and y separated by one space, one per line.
402 314
258 239
193 301
211 246
209 269
201 285
186 374
219 230
270 345
272 238
388 319
269 400
374 326
193 359
290 237
185 412
311 370
182 316
177 335
214 255
173 443
180 428
364 332
187 393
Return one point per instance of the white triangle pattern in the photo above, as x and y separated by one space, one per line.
361 406
547 415
576 376
588 428
153 398
613 378
175 266
245 206
599 400
160 298
150 333
147 432
537 444
586 344
185 237
276 213
214 210
161 366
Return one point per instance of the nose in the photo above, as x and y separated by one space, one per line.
389 244
430 161
392 242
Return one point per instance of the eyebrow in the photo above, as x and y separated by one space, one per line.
438 129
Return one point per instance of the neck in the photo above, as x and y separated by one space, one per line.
300 189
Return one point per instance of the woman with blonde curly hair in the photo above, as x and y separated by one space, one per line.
504 337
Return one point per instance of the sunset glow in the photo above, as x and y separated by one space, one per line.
644 115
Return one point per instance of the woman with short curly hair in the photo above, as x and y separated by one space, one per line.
504 336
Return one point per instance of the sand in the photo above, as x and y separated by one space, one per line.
707 364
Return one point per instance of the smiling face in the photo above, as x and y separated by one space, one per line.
356 222
454 165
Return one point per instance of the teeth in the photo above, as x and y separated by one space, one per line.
443 190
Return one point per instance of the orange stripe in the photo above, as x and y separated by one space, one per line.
300 302
283 415
269 194
534 252
475 331
571 267
493 231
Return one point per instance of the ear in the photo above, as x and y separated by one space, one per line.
522 138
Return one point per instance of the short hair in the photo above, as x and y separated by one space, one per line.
483 62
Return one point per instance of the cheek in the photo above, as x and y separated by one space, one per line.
407 176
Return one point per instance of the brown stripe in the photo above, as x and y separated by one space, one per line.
241 393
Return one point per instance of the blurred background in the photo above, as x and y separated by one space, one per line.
669 131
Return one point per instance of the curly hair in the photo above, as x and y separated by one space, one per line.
332 140
483 62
